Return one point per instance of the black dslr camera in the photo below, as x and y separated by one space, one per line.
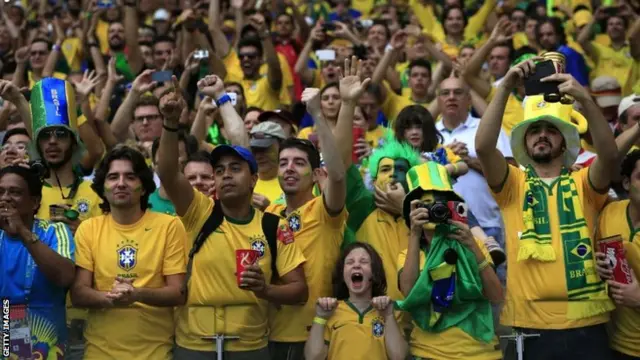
38 167
439 212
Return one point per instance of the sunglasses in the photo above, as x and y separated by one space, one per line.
250 56
58 133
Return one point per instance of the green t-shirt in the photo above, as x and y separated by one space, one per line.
160 204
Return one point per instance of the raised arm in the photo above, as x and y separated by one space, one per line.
88 131
232 122
134 56
584 38
10 92
334 191
494 165
274 72
301 68
351 88
102 109
398 43
124 115
220 43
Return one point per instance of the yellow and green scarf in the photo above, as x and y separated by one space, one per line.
586 292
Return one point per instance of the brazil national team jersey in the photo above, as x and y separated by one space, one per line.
46 303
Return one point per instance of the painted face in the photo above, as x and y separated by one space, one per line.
294 171
357 271
392 170
122 186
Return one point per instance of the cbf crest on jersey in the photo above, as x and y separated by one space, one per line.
377 327
294 222
258 244
83 206
127 255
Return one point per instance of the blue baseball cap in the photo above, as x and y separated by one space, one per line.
235 150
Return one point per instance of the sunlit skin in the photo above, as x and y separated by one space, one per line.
233 178
147 122
251 119
199 175
56 148
544 142
465 54
294 171
14 148
330 102
390 170
122 186
357 272
453 98
499 61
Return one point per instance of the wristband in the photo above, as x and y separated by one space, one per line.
319 320
57 47
93 44
388 48
170 129
223 100
483 265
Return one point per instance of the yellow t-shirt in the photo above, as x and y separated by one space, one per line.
354 335
72 51
86 202
269 188
610 62
102 34
376 137
215 303
146 251
364 6
452 343
537 291
251 89
319 236
394 103
513 111
614 220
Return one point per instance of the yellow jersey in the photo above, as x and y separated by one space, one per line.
215 304
513 111
255 95
319 237
614 220
611 62
537 291
354 335
269 188
86 202
452 343
394 103
72 51
146 251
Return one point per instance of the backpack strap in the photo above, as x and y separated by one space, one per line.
210 225
270 224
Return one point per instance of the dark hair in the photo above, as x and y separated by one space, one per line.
420 63
200 156
163 38
250 41
145 43
147 100
374 90
33 180
329 86
252 108
14 131
382 23
43 40
190 144
557 28
509 45
140 168
304 145
378 281
445 14
418 116
233 83
629 163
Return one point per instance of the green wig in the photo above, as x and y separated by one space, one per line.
393 149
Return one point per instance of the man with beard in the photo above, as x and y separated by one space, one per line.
218 301
552 37
552 287
317 222
121 36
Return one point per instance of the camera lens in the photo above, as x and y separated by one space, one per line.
439 213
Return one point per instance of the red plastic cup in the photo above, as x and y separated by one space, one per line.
358 133
244 258
614 249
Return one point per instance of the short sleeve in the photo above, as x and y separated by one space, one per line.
199 210
84 253
335 222
60 239
402 257
289 255
174 253
591 194
511 185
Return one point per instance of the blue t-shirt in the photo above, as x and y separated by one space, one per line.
46 305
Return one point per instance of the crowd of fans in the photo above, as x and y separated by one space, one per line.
295 179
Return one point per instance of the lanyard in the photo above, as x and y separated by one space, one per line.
29 271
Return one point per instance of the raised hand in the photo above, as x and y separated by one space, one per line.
143 82
22 55
516 75
569 85
212 86
172 103
112 73
87 84
325 307
10 92
192 64
351 85
384 305
419 217
503 31
399 40
311 98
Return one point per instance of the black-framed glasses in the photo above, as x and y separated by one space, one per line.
58 133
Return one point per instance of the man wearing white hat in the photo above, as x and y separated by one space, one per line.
554 297
629 112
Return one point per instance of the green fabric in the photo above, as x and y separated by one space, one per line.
123 68
161 205
586 292
360 202
214 136
470 310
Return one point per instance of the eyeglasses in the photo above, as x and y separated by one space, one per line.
58 133
250 56
17 146
149 118
38 53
